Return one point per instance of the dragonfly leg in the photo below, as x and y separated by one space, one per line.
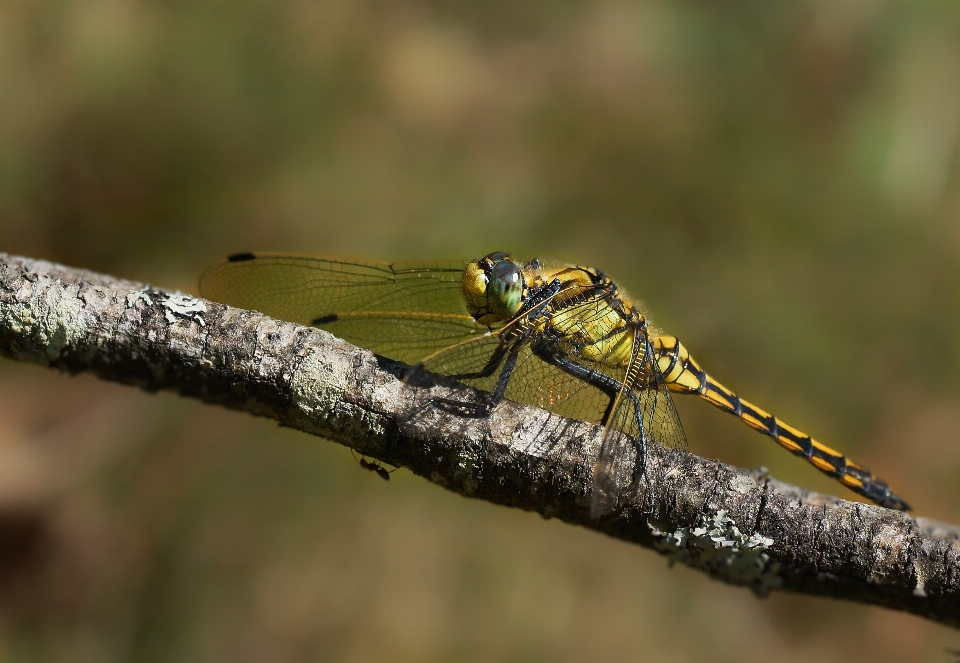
610 386
504 379
491 401
682 374
605 383
489 368
463 407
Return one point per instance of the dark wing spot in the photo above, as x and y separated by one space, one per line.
324 319
240 257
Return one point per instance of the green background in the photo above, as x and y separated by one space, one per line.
778 182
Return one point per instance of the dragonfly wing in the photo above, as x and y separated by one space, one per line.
406 337
402 310
644 412
473 361
479 363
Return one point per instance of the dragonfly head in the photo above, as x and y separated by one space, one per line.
494 288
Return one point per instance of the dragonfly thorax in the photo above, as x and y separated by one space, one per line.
494 288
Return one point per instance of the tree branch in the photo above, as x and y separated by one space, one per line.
741 527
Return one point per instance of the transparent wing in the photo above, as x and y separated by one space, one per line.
644 412
401 310
479 363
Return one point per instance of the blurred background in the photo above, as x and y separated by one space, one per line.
778 182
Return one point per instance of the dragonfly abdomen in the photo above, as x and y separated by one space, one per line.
682 374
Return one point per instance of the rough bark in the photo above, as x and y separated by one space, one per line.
739 526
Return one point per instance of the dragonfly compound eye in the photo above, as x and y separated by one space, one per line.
505 290
493 288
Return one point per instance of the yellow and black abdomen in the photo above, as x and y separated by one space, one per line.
682 374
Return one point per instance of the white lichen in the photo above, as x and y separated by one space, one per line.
138 296
184 306
721 549
175 305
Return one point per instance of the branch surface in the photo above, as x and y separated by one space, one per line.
739 526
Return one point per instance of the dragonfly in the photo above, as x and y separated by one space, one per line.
561 337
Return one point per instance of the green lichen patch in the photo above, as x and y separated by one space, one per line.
318 383
722 550
45 325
